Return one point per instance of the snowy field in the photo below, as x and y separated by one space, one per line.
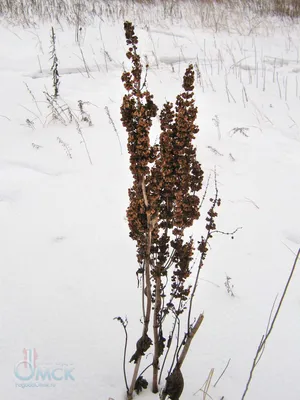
67 262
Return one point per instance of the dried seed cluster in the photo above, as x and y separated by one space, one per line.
163 202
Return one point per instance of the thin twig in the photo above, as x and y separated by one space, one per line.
228 362
86 67
205 191
267 328
227 233
111 121
79 130
266 336
206 385
288 248
124 324
4 116
206 280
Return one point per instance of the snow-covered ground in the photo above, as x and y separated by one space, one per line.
67 263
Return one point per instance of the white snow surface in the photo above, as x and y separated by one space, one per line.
67 262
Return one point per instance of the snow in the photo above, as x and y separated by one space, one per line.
67 263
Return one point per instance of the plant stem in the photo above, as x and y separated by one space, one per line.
156 326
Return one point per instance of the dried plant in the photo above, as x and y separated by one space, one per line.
30 124
163 203
85 116
54 67
65 146
229 286
59 111
80 132
137 112
86 67
241 130
36 146
111 121
33 98
216 121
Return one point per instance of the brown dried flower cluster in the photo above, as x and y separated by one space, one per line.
137 112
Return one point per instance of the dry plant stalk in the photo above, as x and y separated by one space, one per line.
54 67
